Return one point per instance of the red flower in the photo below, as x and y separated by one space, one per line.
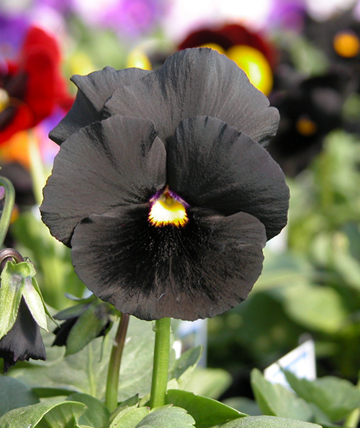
32 86
228 36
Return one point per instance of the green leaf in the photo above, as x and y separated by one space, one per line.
14 394
276 400
335 397
268 422
53 413
51 392
167 417
86 370
320 417
316 307
209 382
244 404
129 417
206 411
96 414
12 284
185 365
130 403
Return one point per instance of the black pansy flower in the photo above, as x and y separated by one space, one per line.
338 37
162 189
309 108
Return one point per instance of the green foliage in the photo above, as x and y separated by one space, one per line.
326 400
206 411
209 382
86 370
244 404
268 422
276 400
321 309
167 417
53 413
129 417
14 394
95 415
184 366
335 397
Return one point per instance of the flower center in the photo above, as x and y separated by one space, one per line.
4 99
305 126
346 44
168 209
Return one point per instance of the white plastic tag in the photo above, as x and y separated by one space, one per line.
300 361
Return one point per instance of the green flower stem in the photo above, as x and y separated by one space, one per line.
8 207
112 381
161 362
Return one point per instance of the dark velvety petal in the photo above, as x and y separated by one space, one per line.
94 90
212 165
196 82
23 341
196 271
114 162
62 332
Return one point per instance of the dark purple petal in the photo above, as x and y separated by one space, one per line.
196 82
114 162
212 165
94 90
196 271
23 341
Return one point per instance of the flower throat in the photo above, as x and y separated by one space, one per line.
167 208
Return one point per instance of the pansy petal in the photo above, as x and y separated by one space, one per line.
113 162
196 82
94 90
190 272
212 165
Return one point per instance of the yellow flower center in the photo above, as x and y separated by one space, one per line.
166 210
306 126
346 44
4 99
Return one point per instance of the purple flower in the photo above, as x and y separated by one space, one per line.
288 14
12 35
